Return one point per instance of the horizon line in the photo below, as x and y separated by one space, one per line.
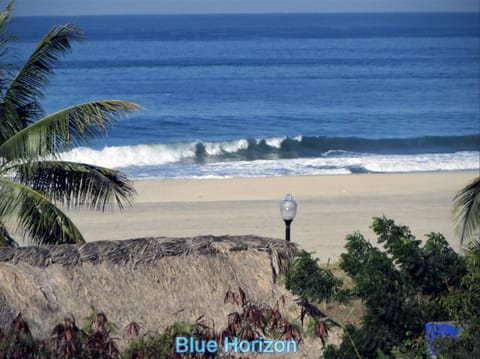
421 12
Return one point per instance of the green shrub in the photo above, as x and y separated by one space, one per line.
401 284
467 345
308 280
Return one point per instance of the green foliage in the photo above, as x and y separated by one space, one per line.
410 348
347 348
151 346
466 205
429 268
467 345
97 320
400 283
464 301
310 328
308 280
463 306
163 345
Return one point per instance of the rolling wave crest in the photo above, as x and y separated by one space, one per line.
266 149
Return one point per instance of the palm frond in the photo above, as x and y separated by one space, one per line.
76 184
27 86
5 15
474 246
63 129
10 123
35 215
4 20
466 205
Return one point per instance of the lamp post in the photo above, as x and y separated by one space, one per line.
288 210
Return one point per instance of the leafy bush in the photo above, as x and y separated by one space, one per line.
463 306
401 284
308 280
467 345
464 301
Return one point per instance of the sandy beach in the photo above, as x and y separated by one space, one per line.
329 208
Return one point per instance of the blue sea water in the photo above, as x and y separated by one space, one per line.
258 95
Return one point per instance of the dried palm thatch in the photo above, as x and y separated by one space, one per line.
152 281
145 251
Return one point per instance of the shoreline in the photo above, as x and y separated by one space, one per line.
329 208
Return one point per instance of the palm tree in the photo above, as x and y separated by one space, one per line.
467 211
33 181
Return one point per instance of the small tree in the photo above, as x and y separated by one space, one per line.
463 305
400 285
308 280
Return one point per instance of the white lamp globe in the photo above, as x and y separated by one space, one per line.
288 208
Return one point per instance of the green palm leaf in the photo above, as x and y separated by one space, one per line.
26 88
467 210
63 129
35 215
73 184
4 19
9 120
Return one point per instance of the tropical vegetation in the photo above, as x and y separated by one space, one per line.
34 183
309 281
404 284
467 212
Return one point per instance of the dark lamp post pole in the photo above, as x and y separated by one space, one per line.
288 210
287 229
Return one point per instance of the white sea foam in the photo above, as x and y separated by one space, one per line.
177 160
319 166
275 142
218 148
153 154
126 156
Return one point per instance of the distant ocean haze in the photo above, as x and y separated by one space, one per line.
261 95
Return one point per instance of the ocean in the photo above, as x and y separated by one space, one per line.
273 94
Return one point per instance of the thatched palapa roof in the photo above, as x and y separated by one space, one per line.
153 281
145 251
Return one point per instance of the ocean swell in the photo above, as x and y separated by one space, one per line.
285 156
267 149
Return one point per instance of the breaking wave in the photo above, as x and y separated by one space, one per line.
285 155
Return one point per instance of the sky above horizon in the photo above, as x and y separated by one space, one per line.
114 7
